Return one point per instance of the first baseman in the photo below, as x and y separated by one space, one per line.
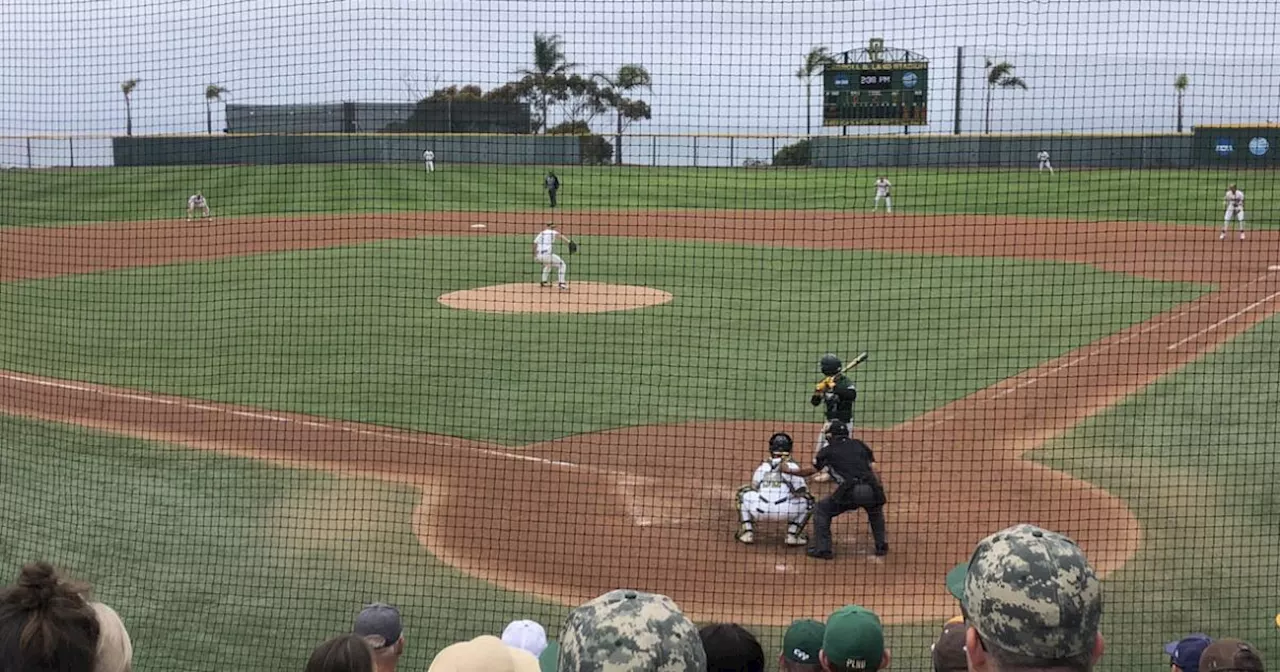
1043 156
429 158
774 495
1234 198
544 253
197 202
884 191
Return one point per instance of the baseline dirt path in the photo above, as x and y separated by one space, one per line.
649 507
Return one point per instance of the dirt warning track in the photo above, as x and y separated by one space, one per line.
650 507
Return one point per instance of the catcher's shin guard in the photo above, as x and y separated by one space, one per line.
798 524
743 514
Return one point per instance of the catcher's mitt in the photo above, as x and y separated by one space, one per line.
573 247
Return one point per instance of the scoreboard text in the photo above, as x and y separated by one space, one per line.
875 94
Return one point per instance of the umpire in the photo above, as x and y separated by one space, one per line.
552 184
852 466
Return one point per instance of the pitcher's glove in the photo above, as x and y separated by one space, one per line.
573 247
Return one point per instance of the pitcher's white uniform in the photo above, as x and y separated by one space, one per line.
884 191
197 202
1043 156
1234 198
544 253
429 158
774 495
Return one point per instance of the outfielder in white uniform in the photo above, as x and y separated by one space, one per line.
1043 156
884 191
775 495
429 158
544 253
1234 198
197 202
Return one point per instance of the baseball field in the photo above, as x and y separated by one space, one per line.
256 423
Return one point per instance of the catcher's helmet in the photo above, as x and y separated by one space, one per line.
830 364
780 444
837 428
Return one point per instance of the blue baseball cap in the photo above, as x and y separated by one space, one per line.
1185 653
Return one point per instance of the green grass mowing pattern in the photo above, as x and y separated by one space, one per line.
1194 455
220 563
44 198
357 332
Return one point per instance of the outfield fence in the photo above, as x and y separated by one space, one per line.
244 403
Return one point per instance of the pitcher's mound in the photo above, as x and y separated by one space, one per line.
530 297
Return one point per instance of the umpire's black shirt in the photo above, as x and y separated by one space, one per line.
850 462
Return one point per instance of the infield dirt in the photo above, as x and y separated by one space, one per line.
650 507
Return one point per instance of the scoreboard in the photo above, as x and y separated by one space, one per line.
875 94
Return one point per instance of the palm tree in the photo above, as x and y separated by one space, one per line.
628 78
817 59
549 62
127 88
1180 84
1000 75
212 93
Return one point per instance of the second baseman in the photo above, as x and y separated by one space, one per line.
197 202
1234 198
884 190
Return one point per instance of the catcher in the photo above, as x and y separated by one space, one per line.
775 495
544 253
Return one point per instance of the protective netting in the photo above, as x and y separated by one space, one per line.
290 322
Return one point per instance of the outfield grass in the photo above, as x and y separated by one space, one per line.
1195 458
356 332
44 198
218 563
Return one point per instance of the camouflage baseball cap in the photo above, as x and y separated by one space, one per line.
630 631
1032 592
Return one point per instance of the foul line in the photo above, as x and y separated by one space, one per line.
1223 321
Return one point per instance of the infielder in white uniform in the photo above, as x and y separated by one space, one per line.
197 202
884 191
429 158
774 495
1043 156
544 253
1234 198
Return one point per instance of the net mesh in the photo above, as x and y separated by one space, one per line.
291 323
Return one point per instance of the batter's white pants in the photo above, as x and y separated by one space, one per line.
552 260
1044 165
754 506
1226 219
888 203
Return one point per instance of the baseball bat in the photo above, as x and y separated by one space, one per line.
856 361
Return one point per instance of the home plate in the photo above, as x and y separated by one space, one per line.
781 567
479 226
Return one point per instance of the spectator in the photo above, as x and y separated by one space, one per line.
46 625
853 642
483 654
1231 655
731 648
525 635
630 631
1184 654
801 647
1032 602
550 658
380 626
115 650
948 652
344 653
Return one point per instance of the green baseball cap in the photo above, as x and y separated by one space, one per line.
550 657
803 641
854 639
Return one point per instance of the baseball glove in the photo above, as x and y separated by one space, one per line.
573 247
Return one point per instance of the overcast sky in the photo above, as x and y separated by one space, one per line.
717 66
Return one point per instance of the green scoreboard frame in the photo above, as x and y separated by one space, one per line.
876 94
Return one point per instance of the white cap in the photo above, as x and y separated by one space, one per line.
525 635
